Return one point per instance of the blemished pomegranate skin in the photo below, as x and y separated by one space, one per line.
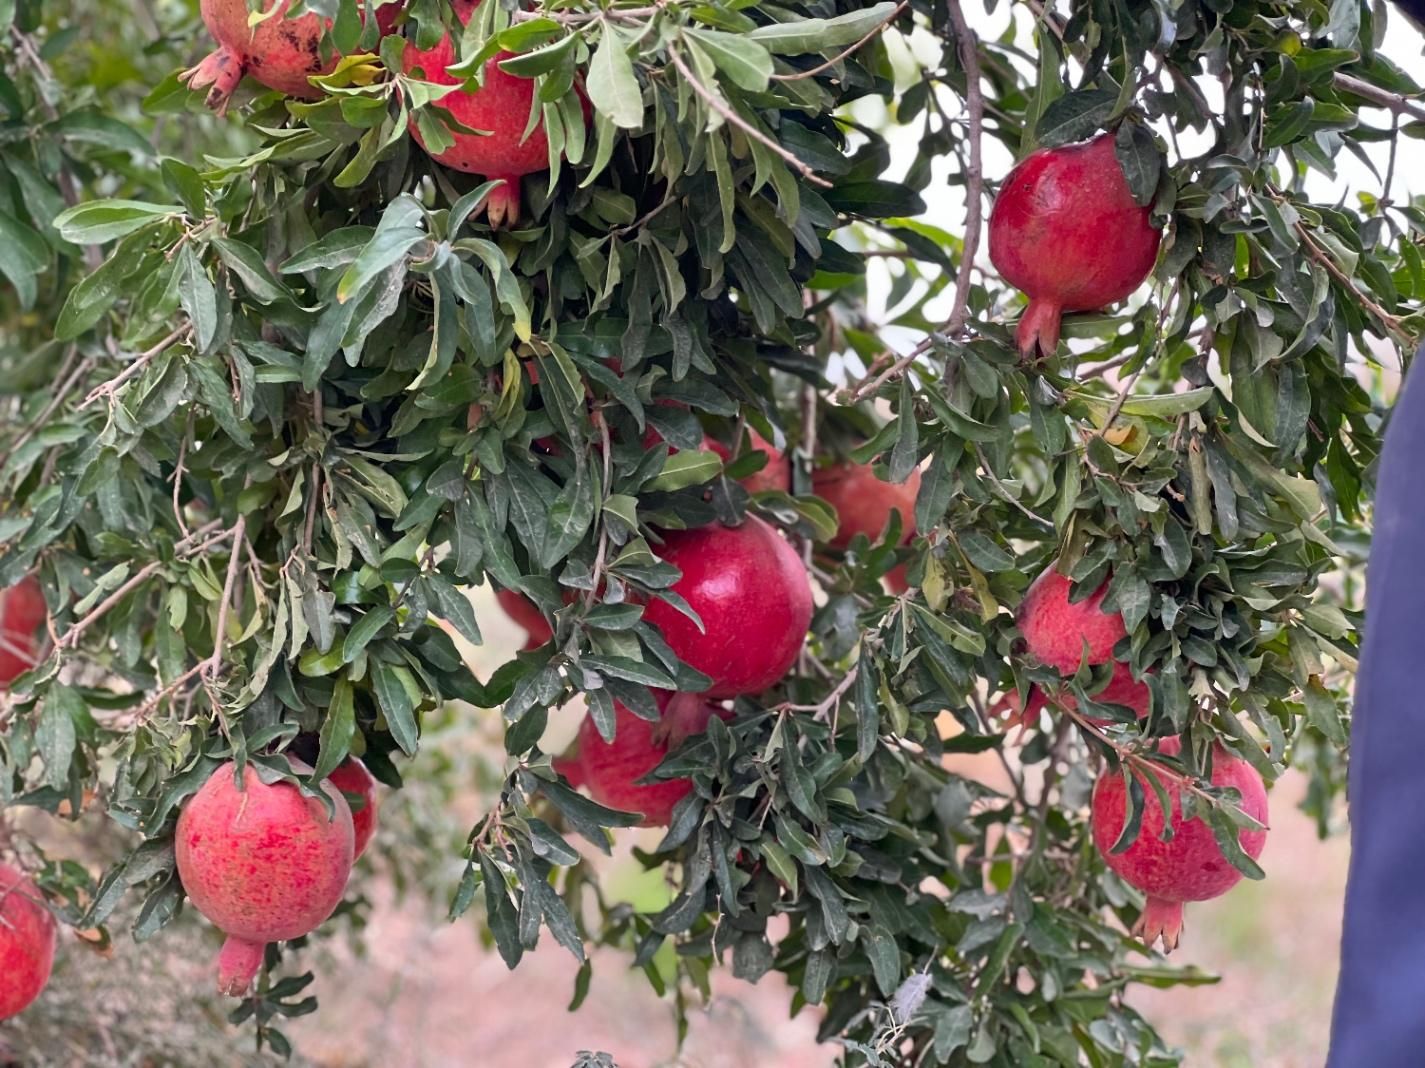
22 612
775 475
527 614
611 770
279 52
1189 867
27 938
752 593
1055 630
500 108
263 864
352 778
864 503
1066 230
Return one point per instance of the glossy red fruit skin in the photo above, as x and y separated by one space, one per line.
753 595
22 611
775 475
611 770
1066 230
279 52
264 864
527 614
896 580
500 108
864 503
1055 630
352 778
1191 866
27 939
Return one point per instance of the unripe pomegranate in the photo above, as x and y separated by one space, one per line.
22 611
500 108
751 592
279 52
775 475
1066 230
864 503
27 936
352 779
527 614
611 770
1189 867
1055 630
264 864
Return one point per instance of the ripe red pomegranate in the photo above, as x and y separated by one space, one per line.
279 52
27 936
864 503
527 614
263 863
1066 230
611 770
22 612
500 108
1122 689
752 593
775 475
1190 867
1055 630
352 778
896 580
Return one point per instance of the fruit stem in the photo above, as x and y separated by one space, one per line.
239 961
1038 333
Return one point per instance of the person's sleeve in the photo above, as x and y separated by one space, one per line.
1379 1018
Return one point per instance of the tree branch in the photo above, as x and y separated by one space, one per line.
819 68
1383 98
725 110
108 389
968 46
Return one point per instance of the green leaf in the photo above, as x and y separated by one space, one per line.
1133 802
364 630
395 688
684 469
56 735
103 220
1076 116
745 63
798 36
338 728
612 86
455 608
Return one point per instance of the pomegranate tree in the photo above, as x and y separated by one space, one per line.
1066 230
753 596
1190 865
612 770
263 862
27 937
281 53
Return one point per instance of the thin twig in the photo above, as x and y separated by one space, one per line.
108 389
968 46
722 108
1119 401
849 51
178 476
71 637
833 698
215 662
58 399
583 18
1384 98
1391 322
1004 490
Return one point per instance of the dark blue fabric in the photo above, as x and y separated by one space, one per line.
1379 1019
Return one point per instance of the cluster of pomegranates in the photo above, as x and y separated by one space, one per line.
285 54
1185 863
